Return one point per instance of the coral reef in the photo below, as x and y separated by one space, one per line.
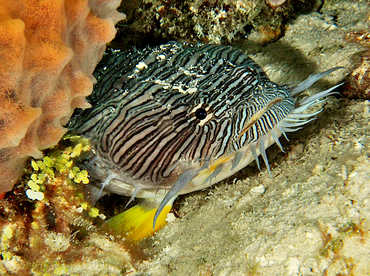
48 228
48 51
208 21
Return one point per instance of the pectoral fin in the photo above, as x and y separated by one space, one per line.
136 223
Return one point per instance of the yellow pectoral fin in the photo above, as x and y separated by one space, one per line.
137 222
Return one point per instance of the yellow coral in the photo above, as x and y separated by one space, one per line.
4 245
34 165
78 176
60 270
59 161
84 205
82 176
94 212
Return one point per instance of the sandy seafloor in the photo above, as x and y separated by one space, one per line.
313 217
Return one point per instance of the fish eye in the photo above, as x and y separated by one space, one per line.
201 113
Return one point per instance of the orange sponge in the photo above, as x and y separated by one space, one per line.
48 51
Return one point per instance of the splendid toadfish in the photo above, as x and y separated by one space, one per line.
177 118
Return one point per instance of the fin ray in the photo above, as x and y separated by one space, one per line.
255 156
184 179
237 157
137 189
106 182
276 139
264 156
215 172
304 85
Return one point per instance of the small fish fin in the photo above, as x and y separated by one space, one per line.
184 179
255 156
276 139
315 99
283 132
304 85
215 172
237 157
107 182
137 189
296 119
262 149
136 223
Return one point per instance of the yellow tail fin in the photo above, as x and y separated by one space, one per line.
137 222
